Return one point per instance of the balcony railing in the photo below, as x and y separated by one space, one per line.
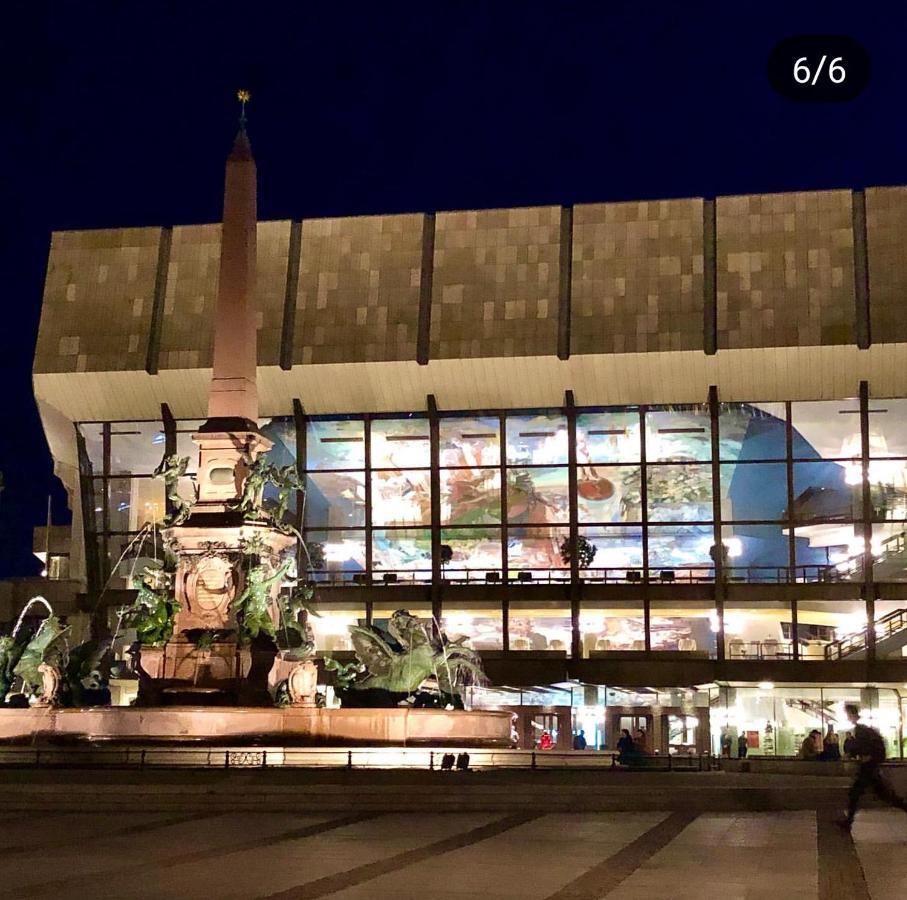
605 575
886 627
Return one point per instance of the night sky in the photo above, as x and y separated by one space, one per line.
120 114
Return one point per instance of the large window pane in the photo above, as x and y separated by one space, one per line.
400 443
826 490
613 626
128 554
335 499
537 496
480 622
834 630
470 496
135 502
678 434
332 625
828 551
753 491
756 553
401 497
680 493
474 441
136 448
281 431
336 554
683 627
752 431
887 428
536 440
538 549
609 493
474 552
608 437
889 500
540 625
757 630
617 552
336 444
405 550
94 446
673 548
826 429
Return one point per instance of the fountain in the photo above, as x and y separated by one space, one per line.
208 616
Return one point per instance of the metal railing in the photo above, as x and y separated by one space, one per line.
238 757
759 650
886 627
605 575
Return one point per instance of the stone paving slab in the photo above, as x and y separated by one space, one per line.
446 856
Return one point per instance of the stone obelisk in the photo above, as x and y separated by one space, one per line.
212 545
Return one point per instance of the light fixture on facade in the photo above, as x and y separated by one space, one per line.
766 685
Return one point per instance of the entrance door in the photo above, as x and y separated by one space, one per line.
682 734
634 722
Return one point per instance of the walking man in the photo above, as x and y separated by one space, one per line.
869 749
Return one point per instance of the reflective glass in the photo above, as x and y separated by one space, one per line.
757 630
752 431
537 548
687 627
537 496
536 440
335 444
607 627
135 502
400 443
616 550
331 626
401 497
680 493
826 429
94 446
136 448
474 441
474 552
480 622
677 547
402 550
470 496
678 434
336 554
608 437
335 499
887 428
609 493
753 491
540 625
826 490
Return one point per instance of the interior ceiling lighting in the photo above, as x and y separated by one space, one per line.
766 686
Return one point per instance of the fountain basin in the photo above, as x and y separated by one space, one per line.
296 725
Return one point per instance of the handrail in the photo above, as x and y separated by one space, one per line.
885 627
696 574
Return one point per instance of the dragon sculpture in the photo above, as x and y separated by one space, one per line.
406 656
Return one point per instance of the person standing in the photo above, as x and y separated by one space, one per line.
742 747
812 745
579 740
831 749
625 748
869 749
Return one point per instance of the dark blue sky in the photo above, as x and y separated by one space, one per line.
120 113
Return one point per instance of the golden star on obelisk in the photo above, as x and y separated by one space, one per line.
244 97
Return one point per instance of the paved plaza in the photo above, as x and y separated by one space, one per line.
452 856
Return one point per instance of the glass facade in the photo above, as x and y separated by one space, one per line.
652 492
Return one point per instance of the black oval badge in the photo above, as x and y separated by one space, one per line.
819 68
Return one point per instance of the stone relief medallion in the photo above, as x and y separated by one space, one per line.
211 586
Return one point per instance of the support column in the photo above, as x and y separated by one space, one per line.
300 421
423 335
505 574
367 425
575 583
720 587
869 586
565 284
170 445
434 431
862 320
288 329
153 351
791 537
644 500
709 278
93 578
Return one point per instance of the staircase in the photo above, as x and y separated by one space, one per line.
891 636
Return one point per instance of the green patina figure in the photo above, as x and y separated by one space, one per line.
262 473
171 469
253 604
411 657
10 651
154 608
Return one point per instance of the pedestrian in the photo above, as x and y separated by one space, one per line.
726 743
546 742
848 745
640 740
831 749
742 747
812 745
579 740
869 749
625 748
